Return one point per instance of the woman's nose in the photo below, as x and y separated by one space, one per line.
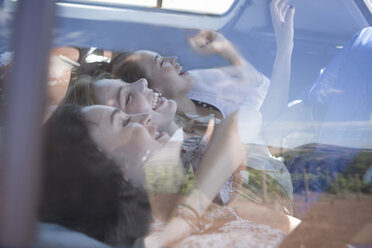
173 60
142 84
144 119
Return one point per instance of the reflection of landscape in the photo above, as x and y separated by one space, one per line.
333 195
313 167
329 168
335 205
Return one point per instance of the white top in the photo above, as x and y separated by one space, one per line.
228 88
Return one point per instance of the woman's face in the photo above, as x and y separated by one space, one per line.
136 98
165 74
128 139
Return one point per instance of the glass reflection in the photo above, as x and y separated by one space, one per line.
241 165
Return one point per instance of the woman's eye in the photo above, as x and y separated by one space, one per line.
129 99
126 122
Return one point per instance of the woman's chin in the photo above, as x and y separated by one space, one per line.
163 138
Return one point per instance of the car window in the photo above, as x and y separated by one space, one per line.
239 124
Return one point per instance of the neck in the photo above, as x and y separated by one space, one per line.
186 105
172 129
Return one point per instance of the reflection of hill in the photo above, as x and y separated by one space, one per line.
323 162
313 146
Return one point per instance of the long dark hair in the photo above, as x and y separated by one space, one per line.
123 66
84 190
80 91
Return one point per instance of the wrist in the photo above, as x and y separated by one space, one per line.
285 48
233 57
176 230
226 52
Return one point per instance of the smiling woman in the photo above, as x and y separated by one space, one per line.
164 74
90 182
129 139
131 98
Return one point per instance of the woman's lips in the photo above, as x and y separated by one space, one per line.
155 99
158 101
161 101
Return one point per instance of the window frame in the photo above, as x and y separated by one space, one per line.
144 15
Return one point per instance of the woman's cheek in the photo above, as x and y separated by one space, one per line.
141 138
138 108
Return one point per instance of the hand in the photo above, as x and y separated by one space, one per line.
209 131
209 42
282 17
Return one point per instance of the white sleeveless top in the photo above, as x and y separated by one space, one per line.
228 88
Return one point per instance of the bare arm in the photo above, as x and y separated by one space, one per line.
277 97
261 214
211 42
224 154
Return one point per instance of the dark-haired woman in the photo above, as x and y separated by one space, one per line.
93 180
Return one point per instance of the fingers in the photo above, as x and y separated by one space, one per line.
209 35
201 39
281 11
198 41
289 15
209 131
281 6
277 9
284 11
206 34
200 44
274 9
274 4
207 42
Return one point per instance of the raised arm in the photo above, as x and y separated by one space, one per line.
277 97
224 155
211 42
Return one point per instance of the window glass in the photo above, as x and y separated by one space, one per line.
217 7
143 142
145 3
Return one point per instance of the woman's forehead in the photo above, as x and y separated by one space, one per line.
147 52
97 111
110 83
